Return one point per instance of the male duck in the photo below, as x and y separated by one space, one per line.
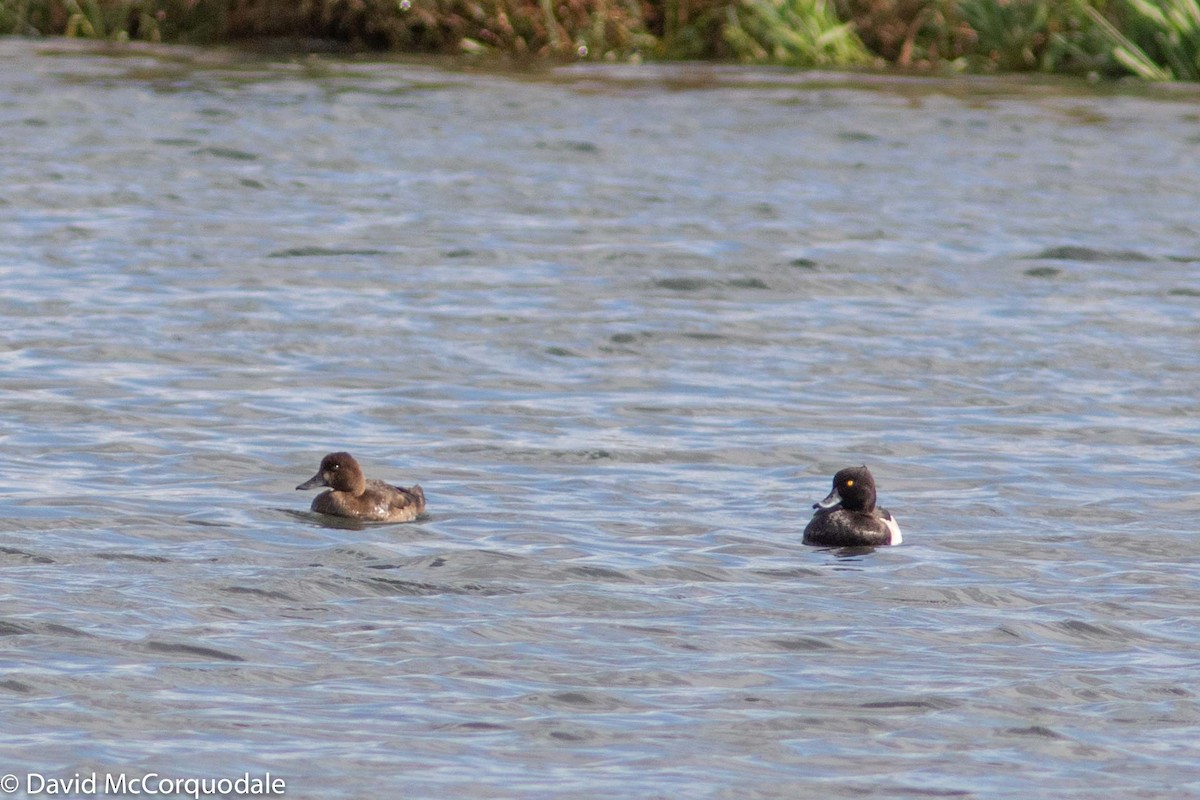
848 516
352 495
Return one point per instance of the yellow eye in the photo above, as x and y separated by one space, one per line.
850 482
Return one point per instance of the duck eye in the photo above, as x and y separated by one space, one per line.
850 482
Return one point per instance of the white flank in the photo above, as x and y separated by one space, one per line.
894 527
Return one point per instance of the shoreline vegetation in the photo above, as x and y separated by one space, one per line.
1156 40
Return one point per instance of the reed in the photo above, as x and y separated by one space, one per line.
910 33
1027 35
184 21
805 33
1160 41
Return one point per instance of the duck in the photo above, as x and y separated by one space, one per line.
352 495
848 516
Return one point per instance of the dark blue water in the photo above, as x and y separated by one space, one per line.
622 325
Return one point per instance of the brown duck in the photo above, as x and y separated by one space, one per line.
352 495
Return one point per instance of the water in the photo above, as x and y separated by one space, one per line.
622 324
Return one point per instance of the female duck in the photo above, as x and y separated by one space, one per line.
352 495
848 516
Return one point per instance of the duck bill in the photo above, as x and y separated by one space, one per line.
829 502
313 482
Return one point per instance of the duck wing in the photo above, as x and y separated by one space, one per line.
400 498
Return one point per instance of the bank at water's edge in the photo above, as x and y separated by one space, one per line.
1156 41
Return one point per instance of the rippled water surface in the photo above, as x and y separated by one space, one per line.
622 324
